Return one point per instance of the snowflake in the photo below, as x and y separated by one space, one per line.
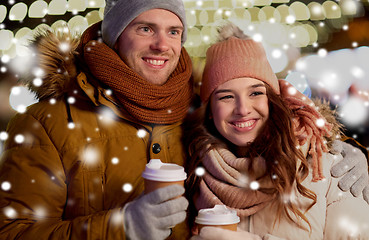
320 122
10 212
114 160
254 185
64 47
6 186
37 82
106 116
90 155
5 58
127 187
3 136
200 171
71 100
19 138
117 218
40 211
292 91
141 133
52 101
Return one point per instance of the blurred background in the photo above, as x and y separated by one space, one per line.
321 47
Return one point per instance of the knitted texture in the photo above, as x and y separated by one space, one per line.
309 125
147 102
236 58
119 13
226 182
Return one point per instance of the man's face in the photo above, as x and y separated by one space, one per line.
151 44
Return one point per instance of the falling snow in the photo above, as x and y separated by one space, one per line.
52 101
141 133
71 100
254 185
320 122
64 47
40 211
117 218
114 160
10 212
6 186
90 156
127 187
200 171
37 82
19 138
3 136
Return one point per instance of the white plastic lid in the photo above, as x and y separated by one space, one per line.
164 172
219 215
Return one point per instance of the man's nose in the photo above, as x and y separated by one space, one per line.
160 42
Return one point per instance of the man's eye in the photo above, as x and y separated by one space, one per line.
175 32
145 29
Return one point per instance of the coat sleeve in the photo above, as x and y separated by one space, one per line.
33 191
347 217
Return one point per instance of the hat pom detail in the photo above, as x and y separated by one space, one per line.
231 30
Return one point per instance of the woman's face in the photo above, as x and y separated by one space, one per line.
239 108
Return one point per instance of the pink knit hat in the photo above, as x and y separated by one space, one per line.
235 58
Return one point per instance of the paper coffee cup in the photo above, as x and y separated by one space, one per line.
158 175
219 216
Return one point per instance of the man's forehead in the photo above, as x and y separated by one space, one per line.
155 16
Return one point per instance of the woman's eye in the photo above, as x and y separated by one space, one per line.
256 93
225 97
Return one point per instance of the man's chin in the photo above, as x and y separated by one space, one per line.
157 80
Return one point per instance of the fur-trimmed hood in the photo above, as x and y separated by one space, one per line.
55 56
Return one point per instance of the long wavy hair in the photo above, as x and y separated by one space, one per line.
276 143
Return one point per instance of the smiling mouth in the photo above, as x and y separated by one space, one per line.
155 62
244 124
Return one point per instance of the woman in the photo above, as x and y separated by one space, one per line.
265 151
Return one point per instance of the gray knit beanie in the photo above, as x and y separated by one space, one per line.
119 13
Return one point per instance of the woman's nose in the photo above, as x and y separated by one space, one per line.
242 107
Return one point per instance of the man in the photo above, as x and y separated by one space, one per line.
110 101
106 108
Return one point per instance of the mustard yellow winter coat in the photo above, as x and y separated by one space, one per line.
71 159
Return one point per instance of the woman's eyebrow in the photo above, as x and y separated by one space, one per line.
222 91
229 90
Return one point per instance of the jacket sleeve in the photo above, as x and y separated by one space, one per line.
33 191
347 217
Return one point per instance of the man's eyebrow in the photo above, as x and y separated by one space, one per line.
155 25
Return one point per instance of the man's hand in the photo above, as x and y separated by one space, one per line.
216 233
152 216
354 167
